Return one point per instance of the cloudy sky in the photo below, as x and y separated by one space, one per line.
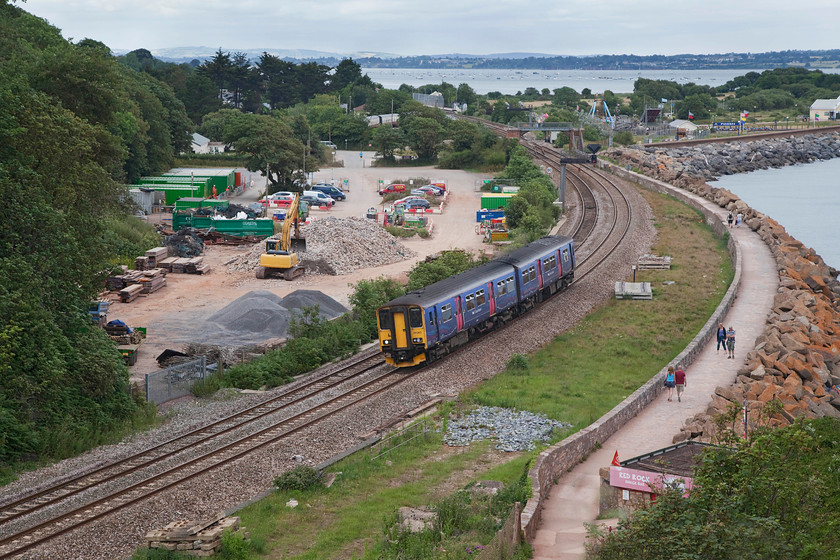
409 27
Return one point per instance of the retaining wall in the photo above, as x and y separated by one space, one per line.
563 456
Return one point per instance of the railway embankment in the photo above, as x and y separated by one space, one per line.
796 360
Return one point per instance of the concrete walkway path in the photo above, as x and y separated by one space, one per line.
574 500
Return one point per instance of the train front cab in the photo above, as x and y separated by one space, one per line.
402 335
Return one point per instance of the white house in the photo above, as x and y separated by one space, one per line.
200 144
824 110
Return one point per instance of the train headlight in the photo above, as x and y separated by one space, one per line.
416 340
386 342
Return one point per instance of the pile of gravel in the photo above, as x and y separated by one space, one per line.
514 431
261 315
337 246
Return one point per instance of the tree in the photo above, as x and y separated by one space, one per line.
466 94
386 140
565 97
278 79
218 70
424 137
346 72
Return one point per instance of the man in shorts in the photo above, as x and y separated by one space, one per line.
679 379
730 343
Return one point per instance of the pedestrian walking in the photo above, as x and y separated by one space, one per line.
670 382
729 219
730 342
679 379
721 338
738 219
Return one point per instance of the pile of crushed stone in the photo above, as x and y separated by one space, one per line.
513 430
261 315
337 246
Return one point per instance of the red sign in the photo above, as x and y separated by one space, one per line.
645 481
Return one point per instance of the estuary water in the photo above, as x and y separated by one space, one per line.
512 81
805 199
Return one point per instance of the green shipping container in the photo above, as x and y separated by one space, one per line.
202 185
198 202
261 227
219 178
495 201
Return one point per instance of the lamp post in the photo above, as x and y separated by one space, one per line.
345 143
634 273
332 169
754 109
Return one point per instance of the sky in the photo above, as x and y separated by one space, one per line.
412 27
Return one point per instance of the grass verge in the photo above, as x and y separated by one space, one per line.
585 372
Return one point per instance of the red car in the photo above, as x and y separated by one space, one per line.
393 188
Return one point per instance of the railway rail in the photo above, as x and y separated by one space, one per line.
355 382
56 509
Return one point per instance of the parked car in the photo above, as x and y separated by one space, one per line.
328 144
331 191
284 198
393 188
414 203
409 197
427 190
317 198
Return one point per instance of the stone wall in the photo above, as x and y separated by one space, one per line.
564 455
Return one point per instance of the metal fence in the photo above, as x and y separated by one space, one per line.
175 381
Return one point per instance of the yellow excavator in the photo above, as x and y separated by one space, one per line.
279 256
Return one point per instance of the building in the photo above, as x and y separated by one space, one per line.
203 145
636 483
434 99
824 110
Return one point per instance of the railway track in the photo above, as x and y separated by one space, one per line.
57 509
70 504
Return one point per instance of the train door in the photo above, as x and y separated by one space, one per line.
567 264
396 319
540 273
459 317
491 297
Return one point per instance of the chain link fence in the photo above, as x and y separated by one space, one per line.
175 381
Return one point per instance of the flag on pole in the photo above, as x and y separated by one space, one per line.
615 460
690 115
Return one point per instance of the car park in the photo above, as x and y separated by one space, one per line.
393 188
331 191
414 203
317 198
427 190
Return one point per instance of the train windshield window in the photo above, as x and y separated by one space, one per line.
446 312
470 302
384 319
479 298
415 317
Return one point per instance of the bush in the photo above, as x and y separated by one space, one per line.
517 363
299 478
624 137
234 546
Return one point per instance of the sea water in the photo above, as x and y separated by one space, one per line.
805 199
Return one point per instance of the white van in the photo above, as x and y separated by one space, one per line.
328 144
317 198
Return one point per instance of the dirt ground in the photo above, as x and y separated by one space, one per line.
172 314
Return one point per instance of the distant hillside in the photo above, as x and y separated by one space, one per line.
533 61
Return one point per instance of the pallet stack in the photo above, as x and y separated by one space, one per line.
142 263
167 263
152 280
130 293
156 255
202 539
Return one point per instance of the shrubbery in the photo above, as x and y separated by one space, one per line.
299 478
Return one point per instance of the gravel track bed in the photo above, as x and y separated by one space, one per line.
119 534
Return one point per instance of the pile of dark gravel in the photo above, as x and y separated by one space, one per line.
514 431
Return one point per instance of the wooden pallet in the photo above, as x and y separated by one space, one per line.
156 255
202 539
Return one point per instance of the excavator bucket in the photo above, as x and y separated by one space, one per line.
298 244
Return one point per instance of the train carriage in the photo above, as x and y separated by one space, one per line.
428 323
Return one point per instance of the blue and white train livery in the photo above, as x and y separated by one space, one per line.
426 324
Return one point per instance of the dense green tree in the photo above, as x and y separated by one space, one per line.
346 72
447 264
387 140
424 136
775 496
217 70
565 97
466 94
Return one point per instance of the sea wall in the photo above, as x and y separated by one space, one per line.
795 359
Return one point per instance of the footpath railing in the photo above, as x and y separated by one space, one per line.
552 463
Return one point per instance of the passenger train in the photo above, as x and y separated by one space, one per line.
428 323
